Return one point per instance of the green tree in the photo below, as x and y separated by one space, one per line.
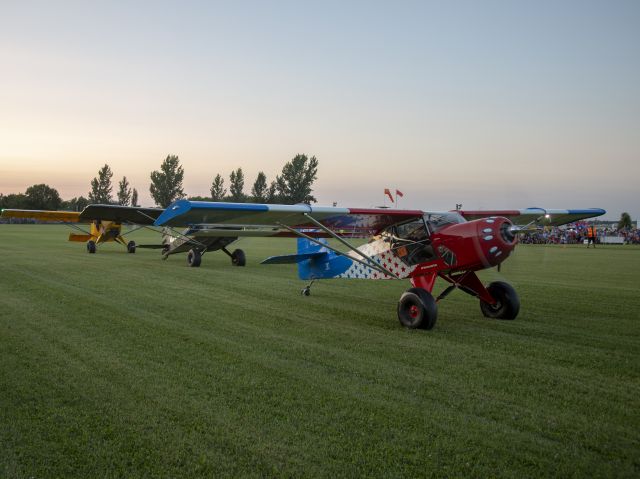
14 201
625 221
134 198
295 182
43 197
259 191
272 193
124 192
236 185
166 184
101 187
218 190
75 204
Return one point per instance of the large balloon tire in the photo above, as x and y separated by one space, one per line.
507 302
194 258
91 246
131 247
417 309
238 258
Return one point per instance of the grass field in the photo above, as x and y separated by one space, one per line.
117 365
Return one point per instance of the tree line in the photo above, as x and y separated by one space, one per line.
293 185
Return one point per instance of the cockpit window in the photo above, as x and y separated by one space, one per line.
411 243
413 231
437 221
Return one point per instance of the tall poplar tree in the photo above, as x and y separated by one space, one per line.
218 190
295 182
236 185
166 184
124 192
259 191
101 187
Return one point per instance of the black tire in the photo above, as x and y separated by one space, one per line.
417 309
131 247
91 246
194 258
508 302
238 258
305 292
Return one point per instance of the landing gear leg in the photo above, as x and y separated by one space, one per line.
238 258
306 291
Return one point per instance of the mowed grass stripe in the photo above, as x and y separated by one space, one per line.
149 368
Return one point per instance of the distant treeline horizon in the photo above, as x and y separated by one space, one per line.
293 185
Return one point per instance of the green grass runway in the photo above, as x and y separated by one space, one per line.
118 365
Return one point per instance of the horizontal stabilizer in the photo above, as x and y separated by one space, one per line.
293 258
79 238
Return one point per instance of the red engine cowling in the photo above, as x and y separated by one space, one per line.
475 245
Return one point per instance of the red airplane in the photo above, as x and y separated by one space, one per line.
404 244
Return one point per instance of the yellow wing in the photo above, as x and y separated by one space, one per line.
43 215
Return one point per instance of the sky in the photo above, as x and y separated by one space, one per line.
492 104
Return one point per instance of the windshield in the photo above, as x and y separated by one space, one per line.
437 221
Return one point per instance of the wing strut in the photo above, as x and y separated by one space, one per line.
136 227
352 248
71 225
525 228
178 234
373 265
370 263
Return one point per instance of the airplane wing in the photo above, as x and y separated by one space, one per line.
541 216
116 213
43 215
233 219
121 214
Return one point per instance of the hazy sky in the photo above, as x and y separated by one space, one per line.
488 104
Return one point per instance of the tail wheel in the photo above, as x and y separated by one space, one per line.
507 302
194 258
131 247
238 258
417 309
91 246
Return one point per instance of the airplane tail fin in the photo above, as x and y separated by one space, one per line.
314 260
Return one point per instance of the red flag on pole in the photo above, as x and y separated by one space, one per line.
388 193
399 193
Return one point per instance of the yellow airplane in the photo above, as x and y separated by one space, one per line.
105 222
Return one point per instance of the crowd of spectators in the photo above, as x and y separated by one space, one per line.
576 233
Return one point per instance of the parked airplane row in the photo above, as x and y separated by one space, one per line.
416 245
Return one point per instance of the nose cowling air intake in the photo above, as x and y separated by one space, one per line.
496 239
